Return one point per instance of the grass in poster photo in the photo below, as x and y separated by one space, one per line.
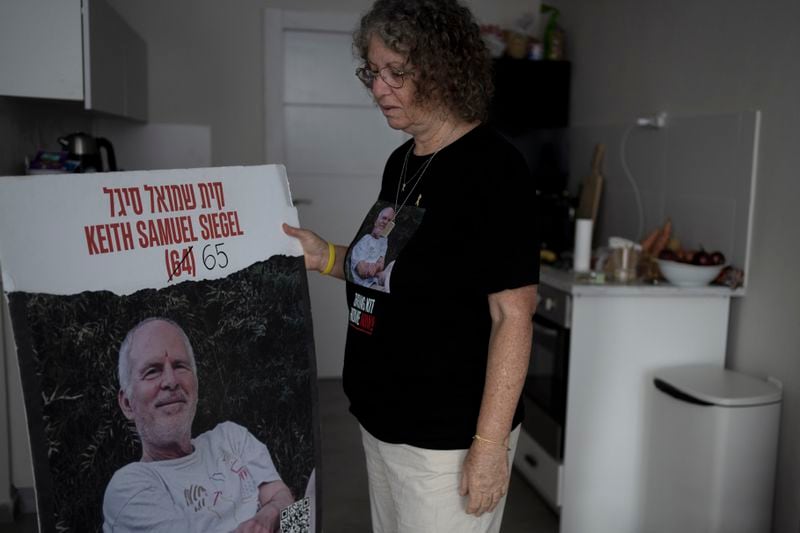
251 336
370 260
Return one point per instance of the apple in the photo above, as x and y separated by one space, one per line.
686 256
701 258
668 255
717 258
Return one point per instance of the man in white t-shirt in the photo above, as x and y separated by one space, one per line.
223 480
368 256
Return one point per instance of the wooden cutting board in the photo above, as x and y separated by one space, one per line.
589 202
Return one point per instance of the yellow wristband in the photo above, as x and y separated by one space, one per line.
331 259
478 437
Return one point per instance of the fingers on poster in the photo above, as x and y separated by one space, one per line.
86 257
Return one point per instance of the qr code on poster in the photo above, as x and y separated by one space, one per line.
297 517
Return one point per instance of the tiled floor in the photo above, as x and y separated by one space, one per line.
344 480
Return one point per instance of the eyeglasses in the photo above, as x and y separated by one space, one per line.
393 77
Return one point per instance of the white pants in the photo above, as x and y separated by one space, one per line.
415 490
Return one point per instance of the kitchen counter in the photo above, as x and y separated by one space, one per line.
582 285
620 335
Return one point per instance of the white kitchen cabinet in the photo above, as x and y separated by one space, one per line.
115 63
41 49
619 336
73 50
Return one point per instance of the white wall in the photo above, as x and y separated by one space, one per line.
636 57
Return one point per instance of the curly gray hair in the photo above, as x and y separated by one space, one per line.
442 40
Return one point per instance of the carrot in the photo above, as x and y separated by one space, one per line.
663 238
647 242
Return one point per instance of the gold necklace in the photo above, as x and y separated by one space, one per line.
401 185
416 179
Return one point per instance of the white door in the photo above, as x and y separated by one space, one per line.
321 123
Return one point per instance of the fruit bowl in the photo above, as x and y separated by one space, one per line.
688 275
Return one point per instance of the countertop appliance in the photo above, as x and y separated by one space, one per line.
86 149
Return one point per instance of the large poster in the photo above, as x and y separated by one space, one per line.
164 337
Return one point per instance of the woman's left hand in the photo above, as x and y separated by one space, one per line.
484 477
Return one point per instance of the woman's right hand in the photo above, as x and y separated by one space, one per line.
315 248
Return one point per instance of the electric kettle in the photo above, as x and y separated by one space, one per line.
86 149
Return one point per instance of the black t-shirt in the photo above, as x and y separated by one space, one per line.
419 323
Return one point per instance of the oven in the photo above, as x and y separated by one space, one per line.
541 447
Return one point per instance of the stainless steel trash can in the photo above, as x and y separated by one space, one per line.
711 463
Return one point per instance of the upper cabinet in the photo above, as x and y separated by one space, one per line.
530 94
530 107
115 63
73 50
41 49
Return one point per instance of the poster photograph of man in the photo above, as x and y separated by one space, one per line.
226 475
181 409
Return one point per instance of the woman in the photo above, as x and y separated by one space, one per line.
435 360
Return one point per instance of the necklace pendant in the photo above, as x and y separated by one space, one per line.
403 188
387 229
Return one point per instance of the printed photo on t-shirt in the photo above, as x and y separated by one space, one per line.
384 233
